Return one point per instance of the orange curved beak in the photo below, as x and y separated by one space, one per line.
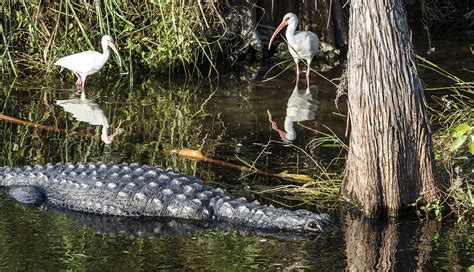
279 28
112 45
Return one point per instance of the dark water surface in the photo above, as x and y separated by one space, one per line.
228 121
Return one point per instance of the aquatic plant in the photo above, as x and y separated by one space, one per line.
154 118
452 120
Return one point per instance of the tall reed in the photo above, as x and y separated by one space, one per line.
159 35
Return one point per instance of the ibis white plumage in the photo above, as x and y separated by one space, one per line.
89 62
301 44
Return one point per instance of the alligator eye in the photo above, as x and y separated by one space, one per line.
313 226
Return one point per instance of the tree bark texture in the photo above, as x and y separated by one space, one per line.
390 161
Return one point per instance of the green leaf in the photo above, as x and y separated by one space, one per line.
461 129
471 144
458 142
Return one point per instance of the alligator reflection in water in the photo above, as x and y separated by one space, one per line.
86 110
166 227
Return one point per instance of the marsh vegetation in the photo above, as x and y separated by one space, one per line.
175 91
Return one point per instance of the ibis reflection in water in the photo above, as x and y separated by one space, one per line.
88 62
300 107
303 45
85 110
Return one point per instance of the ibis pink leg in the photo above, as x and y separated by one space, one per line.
79 80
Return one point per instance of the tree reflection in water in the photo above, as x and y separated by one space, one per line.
387 246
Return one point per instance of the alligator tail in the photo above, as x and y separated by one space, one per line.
24 176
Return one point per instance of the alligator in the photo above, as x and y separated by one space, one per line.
133 190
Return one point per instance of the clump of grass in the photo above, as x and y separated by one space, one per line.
455 165
159 35
458 165
323 191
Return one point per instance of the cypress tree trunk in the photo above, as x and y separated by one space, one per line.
390 161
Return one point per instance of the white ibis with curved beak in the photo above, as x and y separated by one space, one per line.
301 44
88 62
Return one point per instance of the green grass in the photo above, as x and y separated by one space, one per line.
159 35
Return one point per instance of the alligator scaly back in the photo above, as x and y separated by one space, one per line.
143 191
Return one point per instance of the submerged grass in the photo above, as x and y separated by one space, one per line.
154 118
323 191
159 35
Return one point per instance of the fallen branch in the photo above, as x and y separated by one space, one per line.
43 127
197 155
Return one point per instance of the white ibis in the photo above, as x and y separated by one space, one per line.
301 44
88 62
